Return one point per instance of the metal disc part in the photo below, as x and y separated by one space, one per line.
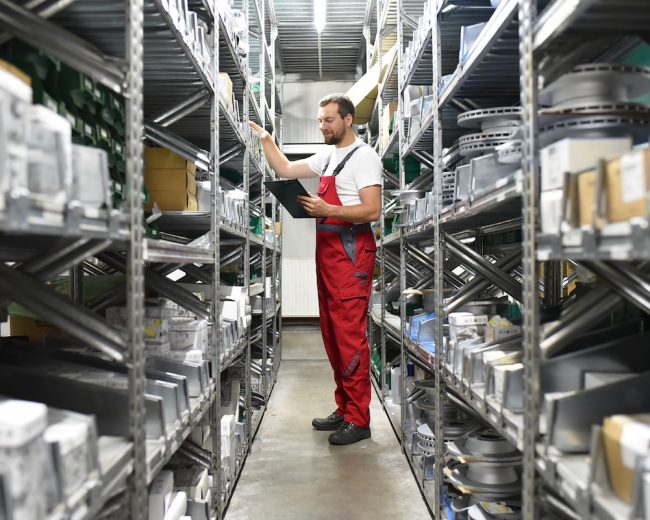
485 482
486 446
596 83
473 145
491 119
594 127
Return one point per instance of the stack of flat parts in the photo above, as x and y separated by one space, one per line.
467 506
485 466
498 125
596 100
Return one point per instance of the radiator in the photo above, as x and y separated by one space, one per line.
299 296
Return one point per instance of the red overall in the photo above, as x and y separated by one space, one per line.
345 258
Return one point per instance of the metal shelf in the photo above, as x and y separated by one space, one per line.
492 66
421 71
602 17
625 241
388 90
391 147
237 351
171 252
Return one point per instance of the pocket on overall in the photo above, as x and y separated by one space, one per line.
349 242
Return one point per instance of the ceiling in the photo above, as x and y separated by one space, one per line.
342 43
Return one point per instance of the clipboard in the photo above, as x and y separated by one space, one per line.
287 193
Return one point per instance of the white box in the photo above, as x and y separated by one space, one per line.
188 333
551 211
576 155
90 179
177 506
49 157
496 333
15 99
160 494
23 456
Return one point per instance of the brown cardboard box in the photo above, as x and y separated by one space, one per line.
35 330
172 200
586 187
626 437
627 181
168 179
155 158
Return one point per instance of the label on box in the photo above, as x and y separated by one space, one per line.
633 176
635 442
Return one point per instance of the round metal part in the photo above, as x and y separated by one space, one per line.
509 152
491 119
486 482
486 446
473 145
597 83
633 110
594 127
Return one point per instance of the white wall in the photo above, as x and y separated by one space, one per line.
300 125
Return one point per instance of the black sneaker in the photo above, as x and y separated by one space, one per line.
349 433
330 423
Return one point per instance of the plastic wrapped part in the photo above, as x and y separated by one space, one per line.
463 182
486 171
15 99
468 36
23 456
90 178
49 173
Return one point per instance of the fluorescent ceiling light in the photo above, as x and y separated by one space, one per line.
320 6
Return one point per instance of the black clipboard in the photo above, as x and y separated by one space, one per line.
287 193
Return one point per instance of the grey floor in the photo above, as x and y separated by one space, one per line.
294 474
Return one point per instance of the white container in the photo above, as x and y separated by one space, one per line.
395 384
188 334
15 100
577 155
551 211
90 178
49 158
23 456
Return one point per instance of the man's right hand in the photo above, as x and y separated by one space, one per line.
261 132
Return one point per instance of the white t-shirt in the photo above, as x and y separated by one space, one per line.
363 169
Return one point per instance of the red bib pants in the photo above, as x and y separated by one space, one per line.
345 258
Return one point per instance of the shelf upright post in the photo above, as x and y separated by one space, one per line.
263 376
247 242
439 262
135 261
382 255
274 212
528 75
215 222
402 249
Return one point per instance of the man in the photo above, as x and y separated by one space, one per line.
349 198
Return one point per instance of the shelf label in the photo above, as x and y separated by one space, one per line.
633 176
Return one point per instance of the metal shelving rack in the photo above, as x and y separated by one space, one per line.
523 40
189 117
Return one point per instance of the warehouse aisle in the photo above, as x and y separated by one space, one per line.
294 474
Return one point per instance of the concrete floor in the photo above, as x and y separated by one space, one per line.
294 474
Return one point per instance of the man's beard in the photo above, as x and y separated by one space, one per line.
332 138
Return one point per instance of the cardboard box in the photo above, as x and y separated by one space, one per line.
626 437
576 155
627 181
162 158
35 330
169 179
172 201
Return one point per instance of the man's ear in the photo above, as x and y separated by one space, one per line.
349 119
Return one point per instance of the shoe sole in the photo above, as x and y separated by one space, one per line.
326 428
363 437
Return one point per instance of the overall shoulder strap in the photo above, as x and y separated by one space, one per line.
340 166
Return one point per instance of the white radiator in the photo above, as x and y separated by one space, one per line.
299 294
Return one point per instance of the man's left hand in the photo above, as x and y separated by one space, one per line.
315 206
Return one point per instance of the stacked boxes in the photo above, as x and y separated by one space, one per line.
171 180
567 159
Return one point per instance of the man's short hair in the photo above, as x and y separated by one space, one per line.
345 105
